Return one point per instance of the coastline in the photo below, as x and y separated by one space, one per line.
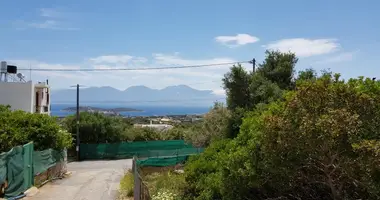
151 110
99 109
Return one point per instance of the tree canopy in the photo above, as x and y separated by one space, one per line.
247 90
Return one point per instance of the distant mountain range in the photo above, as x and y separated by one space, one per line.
139 95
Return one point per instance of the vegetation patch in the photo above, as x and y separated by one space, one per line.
314 136
19 128
165 184
126 186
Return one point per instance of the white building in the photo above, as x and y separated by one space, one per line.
26 96
159 127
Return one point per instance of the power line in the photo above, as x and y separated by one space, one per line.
132 69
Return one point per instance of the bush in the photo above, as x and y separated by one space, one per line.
19 127
320 141
141 134
203 173
214 127
98 128
317 144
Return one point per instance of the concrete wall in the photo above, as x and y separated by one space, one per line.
18 95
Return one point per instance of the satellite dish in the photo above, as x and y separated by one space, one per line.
20 76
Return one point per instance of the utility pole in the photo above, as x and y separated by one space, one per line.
253 62
77 148
78 141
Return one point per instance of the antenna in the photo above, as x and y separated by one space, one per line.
30 72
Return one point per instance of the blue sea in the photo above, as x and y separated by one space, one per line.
56 110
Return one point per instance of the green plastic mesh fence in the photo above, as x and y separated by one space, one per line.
3 167
161 161
143 149
43 160
19 165
16 169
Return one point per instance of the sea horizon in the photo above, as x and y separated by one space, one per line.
146 110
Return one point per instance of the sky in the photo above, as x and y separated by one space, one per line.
342 36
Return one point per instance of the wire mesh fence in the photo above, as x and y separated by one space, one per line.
141 190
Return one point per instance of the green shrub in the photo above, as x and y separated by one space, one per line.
203 172
320 141
141 134
317 144
98 127
19 127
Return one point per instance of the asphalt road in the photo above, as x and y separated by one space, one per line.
90 180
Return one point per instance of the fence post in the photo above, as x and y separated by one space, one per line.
28 165
64 162
137 181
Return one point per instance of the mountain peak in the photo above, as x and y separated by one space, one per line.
178 87
101 88
138 87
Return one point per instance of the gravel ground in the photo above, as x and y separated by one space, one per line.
90 180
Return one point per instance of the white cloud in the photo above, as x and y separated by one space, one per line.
237 40
220 92
50 13
303 47
50 24
24 65
46 24
50 21
346 56
112 59
175 59
341 57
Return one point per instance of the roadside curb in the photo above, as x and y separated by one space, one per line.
31 192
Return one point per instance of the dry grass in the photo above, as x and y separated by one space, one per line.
163 179
126 186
